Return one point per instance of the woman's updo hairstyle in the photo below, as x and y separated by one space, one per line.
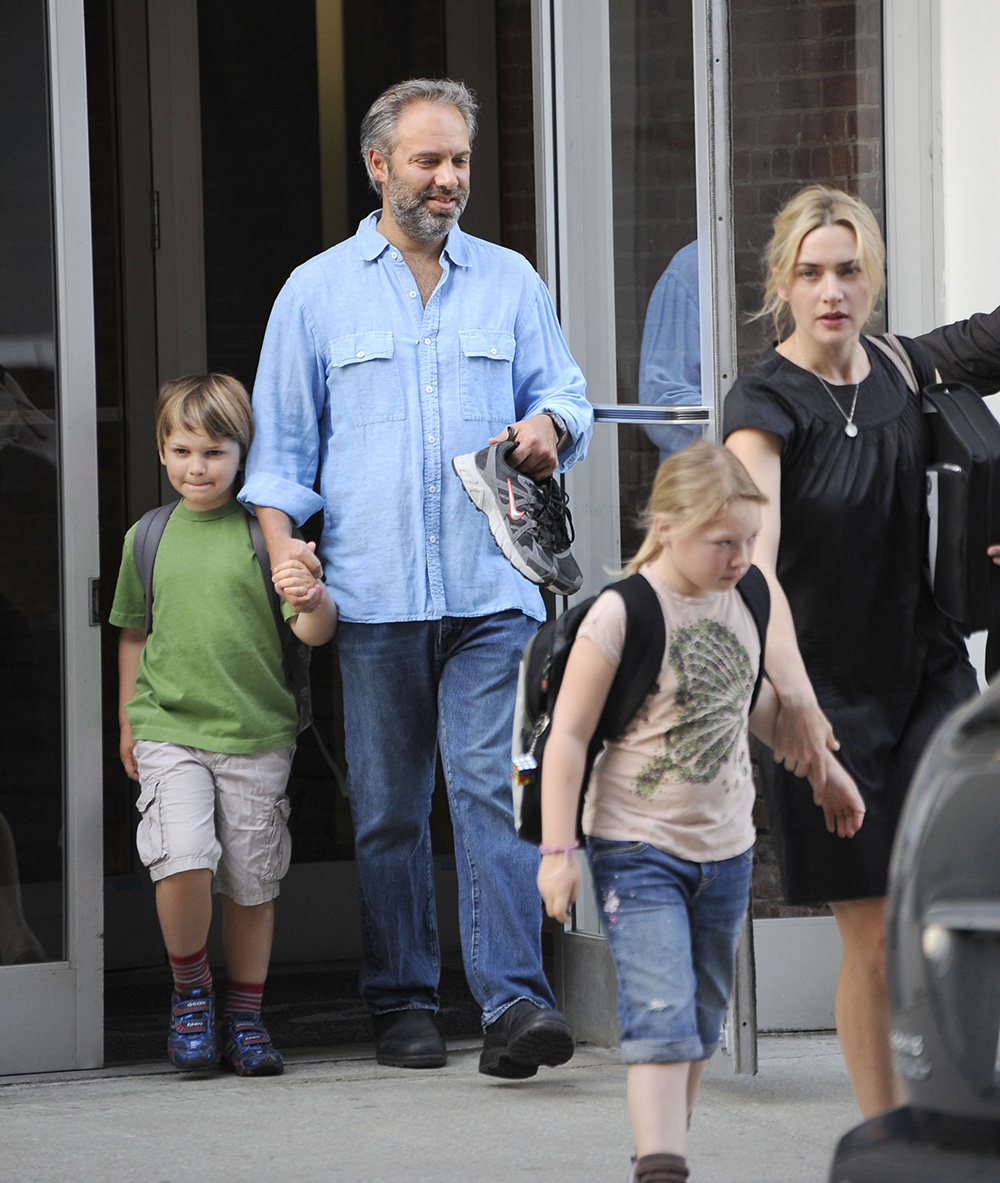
810 208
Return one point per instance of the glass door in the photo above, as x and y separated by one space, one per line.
50 818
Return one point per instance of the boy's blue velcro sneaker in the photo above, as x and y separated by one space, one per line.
247 1047
191 1042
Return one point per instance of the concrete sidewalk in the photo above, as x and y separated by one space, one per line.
337 1115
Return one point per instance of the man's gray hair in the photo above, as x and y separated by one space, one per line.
379 126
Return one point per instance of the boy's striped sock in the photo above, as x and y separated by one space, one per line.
244 998
191 973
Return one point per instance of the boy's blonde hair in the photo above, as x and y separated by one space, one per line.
216 404
692 487
810 208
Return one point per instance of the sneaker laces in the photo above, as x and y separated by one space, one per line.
555 522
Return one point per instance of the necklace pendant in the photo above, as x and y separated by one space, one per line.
850 430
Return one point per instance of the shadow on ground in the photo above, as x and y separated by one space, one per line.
309 1007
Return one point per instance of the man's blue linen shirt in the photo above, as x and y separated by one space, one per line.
360 382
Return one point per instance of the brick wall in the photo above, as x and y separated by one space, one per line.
807 107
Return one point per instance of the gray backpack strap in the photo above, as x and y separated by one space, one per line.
264 561
148 531
894 350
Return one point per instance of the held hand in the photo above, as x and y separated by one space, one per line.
297 584
535 455
994 553
802 738
559 883
296 550
840 800
126 750
298 580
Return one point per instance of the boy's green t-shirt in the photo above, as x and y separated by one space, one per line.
210 674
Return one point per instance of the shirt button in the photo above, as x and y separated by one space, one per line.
413 295
431 440
432 489
430 389
427 340
360 353
433 538
493 351
394 255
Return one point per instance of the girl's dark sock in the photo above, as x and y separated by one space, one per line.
661 1168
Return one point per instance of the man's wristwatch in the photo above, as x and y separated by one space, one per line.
559 423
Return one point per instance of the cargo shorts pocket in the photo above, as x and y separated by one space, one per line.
149 837
279 843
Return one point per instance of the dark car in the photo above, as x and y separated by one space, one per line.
944 968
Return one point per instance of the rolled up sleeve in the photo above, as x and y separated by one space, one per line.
288 404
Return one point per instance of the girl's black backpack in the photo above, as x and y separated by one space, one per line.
541 674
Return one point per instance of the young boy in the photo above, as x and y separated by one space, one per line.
208 724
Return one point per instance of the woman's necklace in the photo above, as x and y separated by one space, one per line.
850 428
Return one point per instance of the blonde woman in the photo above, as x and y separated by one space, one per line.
858 654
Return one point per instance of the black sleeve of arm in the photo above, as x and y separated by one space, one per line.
968 351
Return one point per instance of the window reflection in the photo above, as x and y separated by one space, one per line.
31 864
655 223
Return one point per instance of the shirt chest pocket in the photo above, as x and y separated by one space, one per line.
363 379
486 374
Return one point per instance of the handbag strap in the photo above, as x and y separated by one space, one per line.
895 351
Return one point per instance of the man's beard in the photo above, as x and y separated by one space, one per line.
418 221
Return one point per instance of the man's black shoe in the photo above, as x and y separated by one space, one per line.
408 1039
523 1037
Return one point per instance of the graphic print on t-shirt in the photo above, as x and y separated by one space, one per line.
714 680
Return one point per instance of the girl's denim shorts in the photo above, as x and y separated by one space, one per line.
672 927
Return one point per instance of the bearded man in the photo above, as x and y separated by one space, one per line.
385 357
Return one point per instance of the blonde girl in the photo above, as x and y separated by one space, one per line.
668 810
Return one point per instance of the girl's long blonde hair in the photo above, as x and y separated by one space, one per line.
810 208
692 487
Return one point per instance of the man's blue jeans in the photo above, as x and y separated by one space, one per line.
409 687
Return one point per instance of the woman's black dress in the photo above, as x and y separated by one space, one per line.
886 665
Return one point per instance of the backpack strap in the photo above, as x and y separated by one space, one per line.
148 531
264 562
757 597
297 654
895 351
641 660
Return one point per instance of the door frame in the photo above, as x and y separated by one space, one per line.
53 1011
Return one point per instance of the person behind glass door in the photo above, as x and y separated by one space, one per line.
670 355
859 655
669 807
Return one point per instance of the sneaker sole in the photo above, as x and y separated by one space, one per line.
193 1063
482 498
271 1069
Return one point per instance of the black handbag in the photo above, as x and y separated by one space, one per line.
963 495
